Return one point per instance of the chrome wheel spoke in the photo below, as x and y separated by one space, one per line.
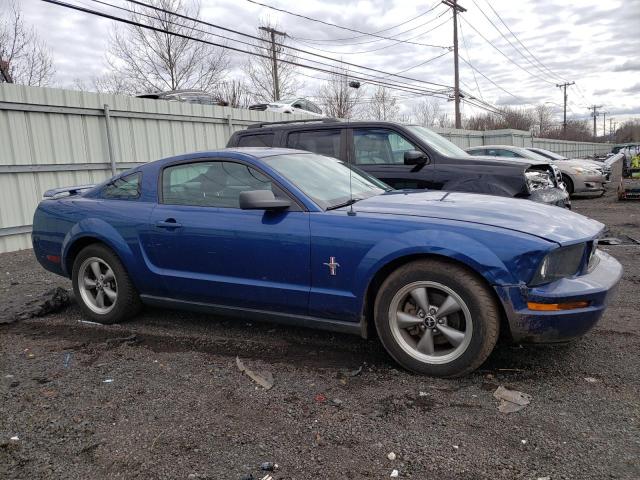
406 320
111 295
425 345
100 299
89 283
449 306
109 276
95 268
421 298
455 337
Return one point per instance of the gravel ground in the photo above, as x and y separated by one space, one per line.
161 396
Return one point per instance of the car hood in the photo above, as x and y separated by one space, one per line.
579 163
551 223
510 160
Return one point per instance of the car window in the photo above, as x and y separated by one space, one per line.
211 184
501 152
323 142
477 151
123 188
261 140
380 146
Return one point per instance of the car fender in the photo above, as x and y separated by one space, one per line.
101 230
456 246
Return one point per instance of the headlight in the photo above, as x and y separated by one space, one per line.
560 263
587 171
537 180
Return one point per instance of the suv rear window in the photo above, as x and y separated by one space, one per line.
259 140
323 142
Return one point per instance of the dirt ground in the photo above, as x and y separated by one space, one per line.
161 396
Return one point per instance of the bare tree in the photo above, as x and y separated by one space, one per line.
426 112
107 83
518 119
152 60
260 71
25 57
234 93
337 98
544 118
383 105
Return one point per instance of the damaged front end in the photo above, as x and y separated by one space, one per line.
544 184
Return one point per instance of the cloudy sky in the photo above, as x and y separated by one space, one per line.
594 43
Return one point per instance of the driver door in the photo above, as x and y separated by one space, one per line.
206 249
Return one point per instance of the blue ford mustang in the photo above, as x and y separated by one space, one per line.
300 238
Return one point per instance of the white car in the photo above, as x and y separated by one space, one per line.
578 176
290 105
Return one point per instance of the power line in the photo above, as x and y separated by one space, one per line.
153 7
506 56
523 45
405 88
311 19
489 80
379 48
327 40
508 40
466 49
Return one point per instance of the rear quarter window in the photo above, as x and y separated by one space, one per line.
123 188
259 140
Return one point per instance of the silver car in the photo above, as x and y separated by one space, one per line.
556 157
579 176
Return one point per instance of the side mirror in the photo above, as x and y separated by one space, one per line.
415 157
262 200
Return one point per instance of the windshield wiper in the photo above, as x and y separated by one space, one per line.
351 201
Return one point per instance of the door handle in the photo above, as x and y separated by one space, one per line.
168 223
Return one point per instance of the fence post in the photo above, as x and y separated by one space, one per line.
230 123
107 121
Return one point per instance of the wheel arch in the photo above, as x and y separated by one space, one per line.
373 287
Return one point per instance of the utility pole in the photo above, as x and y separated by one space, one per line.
595 115
604 124
453 4
564 122
4 71
276 83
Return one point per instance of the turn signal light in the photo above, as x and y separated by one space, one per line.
550 307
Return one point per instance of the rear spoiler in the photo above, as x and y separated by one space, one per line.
54 192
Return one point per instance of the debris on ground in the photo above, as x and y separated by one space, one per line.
268 466
336 402
247 476
108 380
610 241
15 438
267 477
320 398
343 375
119 340
391 456
264 379
394 473
591 380
67 359
511 401
51 301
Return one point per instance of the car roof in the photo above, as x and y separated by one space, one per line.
325 122
237 153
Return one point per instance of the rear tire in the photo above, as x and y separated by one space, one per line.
102 286
437 318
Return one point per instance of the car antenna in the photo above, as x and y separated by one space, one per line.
355 85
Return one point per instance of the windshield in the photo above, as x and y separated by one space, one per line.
437 142
326 180
287 101
549 154
531 155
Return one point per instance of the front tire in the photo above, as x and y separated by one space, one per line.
436 318
102 286
568 183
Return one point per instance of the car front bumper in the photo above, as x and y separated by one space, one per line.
551 196
596 287
588 183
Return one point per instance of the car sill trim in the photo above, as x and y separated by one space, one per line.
354 328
